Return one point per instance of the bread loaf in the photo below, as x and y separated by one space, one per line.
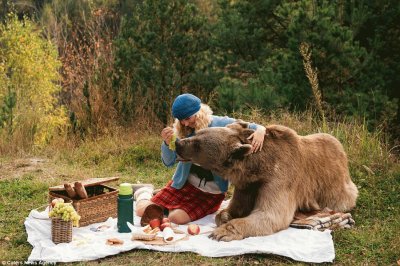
80 190
114 241
70 191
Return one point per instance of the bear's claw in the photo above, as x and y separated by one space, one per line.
225 232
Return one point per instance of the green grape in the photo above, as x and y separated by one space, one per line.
66 212
172 142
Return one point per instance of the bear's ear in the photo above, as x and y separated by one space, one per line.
238 153
242 123
239 124
274 132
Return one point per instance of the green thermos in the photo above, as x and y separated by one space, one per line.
125 207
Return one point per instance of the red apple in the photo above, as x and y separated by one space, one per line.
163 225
155 223
193 229
165 220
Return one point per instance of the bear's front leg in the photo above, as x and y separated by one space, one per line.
241 204
223 217
267 219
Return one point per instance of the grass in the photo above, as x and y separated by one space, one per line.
134 157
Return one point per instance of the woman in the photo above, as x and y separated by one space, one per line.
193 192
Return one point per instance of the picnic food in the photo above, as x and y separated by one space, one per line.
145 237
148 230
172 142
168 234
80 190
193 229
147 234
55 201
164 225
70 190
66 212
114 241
155 223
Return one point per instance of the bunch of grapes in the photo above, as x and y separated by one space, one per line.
66 212
172 143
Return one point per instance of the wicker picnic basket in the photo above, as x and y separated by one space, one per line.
100 204
61 231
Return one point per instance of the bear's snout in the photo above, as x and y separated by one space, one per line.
179 147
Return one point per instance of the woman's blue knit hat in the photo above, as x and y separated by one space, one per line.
185 105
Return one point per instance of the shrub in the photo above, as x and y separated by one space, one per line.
29 74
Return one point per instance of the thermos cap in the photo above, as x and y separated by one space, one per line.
125 189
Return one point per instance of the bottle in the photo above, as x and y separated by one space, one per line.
125 207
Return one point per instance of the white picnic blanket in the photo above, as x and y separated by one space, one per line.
298 244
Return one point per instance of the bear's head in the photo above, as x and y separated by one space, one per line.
216 148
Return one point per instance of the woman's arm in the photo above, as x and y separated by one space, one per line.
168 156
257 138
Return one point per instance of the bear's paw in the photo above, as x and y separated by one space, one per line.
226 232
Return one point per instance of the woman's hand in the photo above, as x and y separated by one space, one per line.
166 135
257 139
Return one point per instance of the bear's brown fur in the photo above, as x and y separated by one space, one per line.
291 173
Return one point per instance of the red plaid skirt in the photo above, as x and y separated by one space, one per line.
193 201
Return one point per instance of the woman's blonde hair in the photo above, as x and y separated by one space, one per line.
203 119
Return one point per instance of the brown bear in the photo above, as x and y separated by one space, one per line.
291 173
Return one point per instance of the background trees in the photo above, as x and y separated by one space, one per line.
123 62
379 31
163 50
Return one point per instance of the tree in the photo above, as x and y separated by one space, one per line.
378 30
162 51
338 58
28 88
243 40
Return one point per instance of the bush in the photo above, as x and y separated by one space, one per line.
30 114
